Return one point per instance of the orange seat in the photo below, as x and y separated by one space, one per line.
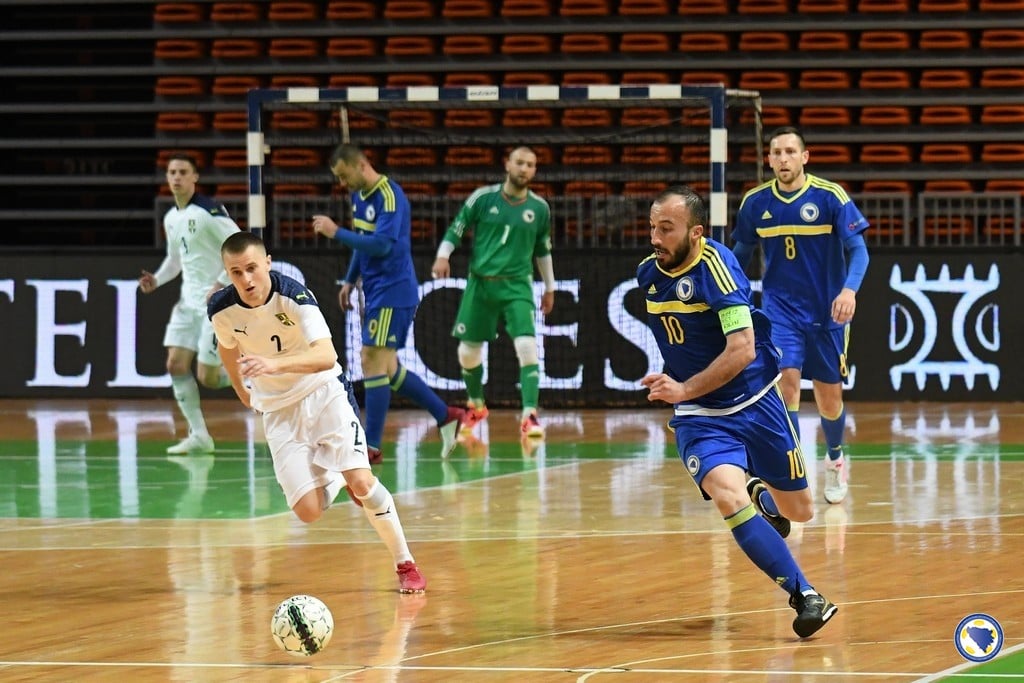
704 42
545 156
1001 226
585 8
882 6
462 188
349 10
1002 113
526 8
763 7
885 154
408 9
658 8
946 153
230 121
946 79
825 116
1003 152
234 85
944 39
527 118
885 116
645 154
178 12
293 11
823 7
644 43
236 48
643 188
706 77
773 116
1002 39
411 156
696 155
294 81
644 78
828 41
947 185
412 118
164 157
420 189
945 115
703 7
1002 78
469 118
230 158
765 80
526 45
884 40
409 46
587 154
586 78
468 45
177 48
824 80
293 48
352 81
469 155
521 78
466 9
180 121
831 154
293 157
351 47
586 43
295 120
233 190
236 11
764 41
587 188
1005 185
180 86
891 227
887 186
1001 5
461 80
645 116
884 79
586 117
943 228
411 80
944 6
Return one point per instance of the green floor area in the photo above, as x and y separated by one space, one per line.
99 480
1009 667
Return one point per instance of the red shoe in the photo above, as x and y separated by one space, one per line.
473 417
409 578
531 427
375 455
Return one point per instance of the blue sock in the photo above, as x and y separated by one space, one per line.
834 430
378 398
766 549
409 385
794 417
764 497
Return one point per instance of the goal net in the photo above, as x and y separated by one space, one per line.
603 152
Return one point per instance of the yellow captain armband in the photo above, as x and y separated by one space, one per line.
735 318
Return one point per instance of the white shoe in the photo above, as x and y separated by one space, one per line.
837 478
450 430
193 443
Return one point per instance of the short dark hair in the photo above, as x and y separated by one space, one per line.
346 152
238 242
187 158
694 201
787 130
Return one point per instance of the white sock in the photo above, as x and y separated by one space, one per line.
186 392
379 507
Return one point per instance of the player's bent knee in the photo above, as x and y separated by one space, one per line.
796 506
471 355
526 350
359 481
308 508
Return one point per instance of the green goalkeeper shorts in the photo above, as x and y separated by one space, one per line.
485 302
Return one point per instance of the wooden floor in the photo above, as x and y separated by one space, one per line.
588 558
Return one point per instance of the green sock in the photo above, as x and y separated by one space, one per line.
529 386
474 379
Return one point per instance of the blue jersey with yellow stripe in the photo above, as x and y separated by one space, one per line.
682 312
802 234
389 280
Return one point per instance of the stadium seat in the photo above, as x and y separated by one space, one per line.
643 188
885 154
469 155
946 153
947 228
587 155
351 47
180 122
179 12
236 48
884 79
771 116
230 86
945 115
949 185
534 44
1001 227
293 11
230 158
585 43
703 7
1005 185
1002 78
294 81
945 79
230 121
420 189
296 157
885 116
351 10
830 154
642 117
888 229
944 39
883 6
461 188
236 11
408 9
295 120
1002 113
1003 152
632 43
545 155
577 78
644 78
353 81
887 187
412 118
704 42
1002 39
293 48
702 77
764 41
180 86
468 45
409 46
179 48
824 80
357 120
825 116
587 188
469 118
585 8
527 118
232 190
467 9
410 80
696 155
944 6
463 80
163 157
1001 5
763 7
823 7
824 41
883 40
585 117
525 8
765 80
656 8
521 78
411 156
646 154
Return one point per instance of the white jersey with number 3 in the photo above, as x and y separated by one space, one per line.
194 237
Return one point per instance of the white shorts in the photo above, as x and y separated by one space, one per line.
314 440
189 328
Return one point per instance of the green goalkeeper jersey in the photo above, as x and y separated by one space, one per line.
507 233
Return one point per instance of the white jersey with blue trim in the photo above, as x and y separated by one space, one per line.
285 325
194 237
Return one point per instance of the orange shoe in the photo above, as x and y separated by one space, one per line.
531 426
473 417
409 578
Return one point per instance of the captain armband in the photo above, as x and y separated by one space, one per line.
735 318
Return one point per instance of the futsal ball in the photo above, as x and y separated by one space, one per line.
302 625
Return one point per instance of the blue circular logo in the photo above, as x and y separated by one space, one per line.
978 637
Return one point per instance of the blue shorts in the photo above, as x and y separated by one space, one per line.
818 352
387 327
758 439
